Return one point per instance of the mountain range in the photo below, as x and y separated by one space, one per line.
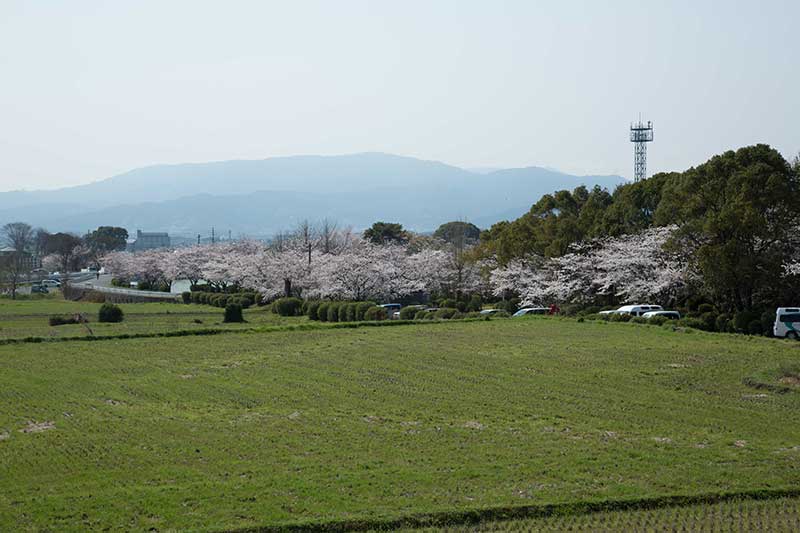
261 197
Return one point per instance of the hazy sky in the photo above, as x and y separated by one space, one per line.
89 89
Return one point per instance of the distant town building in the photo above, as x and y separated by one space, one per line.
29 261
148 241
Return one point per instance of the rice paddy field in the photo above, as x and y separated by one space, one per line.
442 424
781 515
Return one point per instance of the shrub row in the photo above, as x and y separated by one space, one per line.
706 318
474 303
219 299
326 311
410 311
450 313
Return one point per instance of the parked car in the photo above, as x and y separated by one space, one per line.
39 289
672 315
787 323
635 310
50 283
532 311
392 310
490 311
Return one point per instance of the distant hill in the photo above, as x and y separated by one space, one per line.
265 196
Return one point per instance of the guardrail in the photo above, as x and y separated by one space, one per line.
119 295
131 292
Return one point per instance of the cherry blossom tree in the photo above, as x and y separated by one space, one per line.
51 262
533 279
185 263
338 265
629 268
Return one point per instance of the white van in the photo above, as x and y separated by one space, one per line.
672 315
635 310
787 323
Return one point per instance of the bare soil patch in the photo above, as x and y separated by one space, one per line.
37 427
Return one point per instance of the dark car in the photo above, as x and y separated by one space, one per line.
39 289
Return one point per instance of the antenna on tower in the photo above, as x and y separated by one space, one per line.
641 134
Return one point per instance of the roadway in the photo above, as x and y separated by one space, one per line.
103 284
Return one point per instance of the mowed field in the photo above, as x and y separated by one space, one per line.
24 318
378 423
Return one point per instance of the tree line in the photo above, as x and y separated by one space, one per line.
724 232
26 246
735 223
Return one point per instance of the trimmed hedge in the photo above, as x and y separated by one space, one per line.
311 310
221 299
322 311
328 311
409 312
110 313
233 313
361 310
375 313
333 311
445 313
287 306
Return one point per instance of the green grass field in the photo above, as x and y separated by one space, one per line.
24 318
293 427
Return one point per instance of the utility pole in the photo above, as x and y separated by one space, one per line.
212 235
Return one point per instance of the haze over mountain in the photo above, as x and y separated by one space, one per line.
261 197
